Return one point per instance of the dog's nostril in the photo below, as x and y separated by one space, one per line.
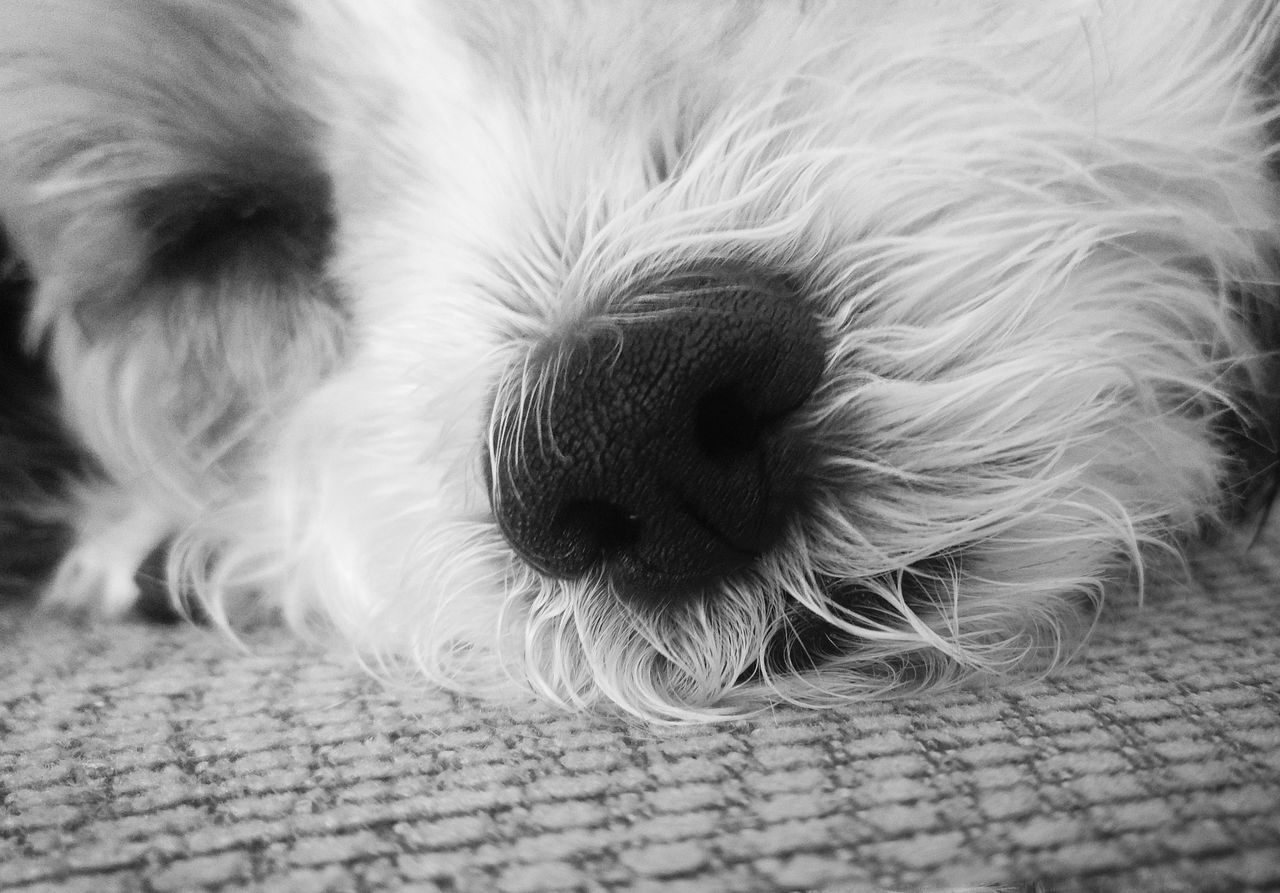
661 454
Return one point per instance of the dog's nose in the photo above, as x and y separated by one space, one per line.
663 452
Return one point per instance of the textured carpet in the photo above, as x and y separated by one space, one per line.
158 758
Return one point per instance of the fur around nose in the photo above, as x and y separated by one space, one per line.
660 454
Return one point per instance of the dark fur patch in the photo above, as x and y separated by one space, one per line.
37 455
1253 435
197 228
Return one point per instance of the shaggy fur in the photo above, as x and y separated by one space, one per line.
308 272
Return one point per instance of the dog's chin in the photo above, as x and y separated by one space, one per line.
736 650
737 653
449 602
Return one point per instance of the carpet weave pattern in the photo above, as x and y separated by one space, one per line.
148 758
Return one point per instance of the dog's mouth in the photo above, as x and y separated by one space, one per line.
852 614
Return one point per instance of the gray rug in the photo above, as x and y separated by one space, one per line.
151 758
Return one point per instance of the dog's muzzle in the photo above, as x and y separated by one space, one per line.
663 452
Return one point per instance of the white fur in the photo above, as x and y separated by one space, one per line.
1019 230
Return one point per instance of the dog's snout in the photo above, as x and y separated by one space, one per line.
663 452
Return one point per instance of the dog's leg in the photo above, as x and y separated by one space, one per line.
114 533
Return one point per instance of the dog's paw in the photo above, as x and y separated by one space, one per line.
114 536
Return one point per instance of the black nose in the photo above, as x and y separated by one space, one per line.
661 452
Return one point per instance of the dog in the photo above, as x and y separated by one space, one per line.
684 358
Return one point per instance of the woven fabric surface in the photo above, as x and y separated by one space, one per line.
152 758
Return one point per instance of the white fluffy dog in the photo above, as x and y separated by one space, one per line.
687 357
